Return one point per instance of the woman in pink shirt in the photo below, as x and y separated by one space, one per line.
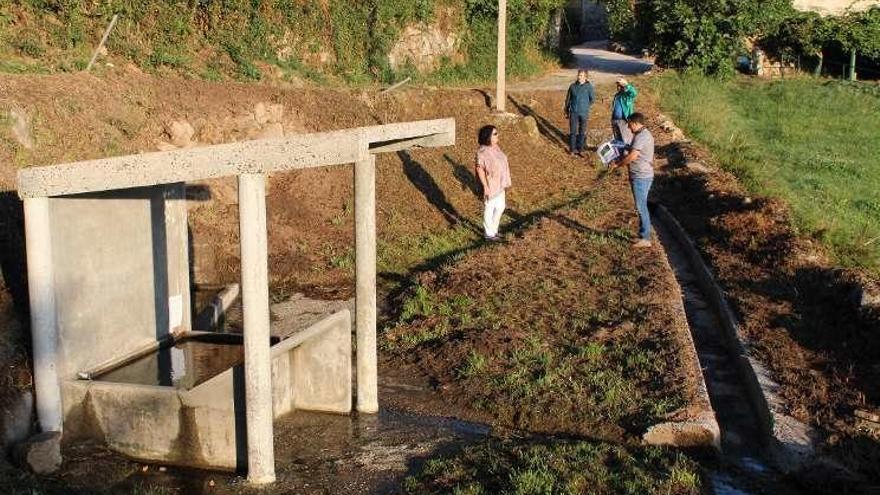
494 174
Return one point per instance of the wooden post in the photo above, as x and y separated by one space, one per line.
501 89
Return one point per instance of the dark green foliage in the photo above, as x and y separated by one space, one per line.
621 20
705 36
233 37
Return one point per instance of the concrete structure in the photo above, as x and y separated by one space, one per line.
108 265
501 84
365 292
203 426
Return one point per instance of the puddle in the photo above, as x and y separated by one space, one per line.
315 453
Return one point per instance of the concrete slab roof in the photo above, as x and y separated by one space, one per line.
209 162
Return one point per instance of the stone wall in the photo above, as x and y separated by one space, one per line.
425 45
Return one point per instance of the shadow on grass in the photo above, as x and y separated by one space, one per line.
12 250
518 224
422 180
463 175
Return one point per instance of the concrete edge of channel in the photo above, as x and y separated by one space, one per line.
702 430
792 443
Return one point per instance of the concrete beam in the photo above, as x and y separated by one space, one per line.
255 308
44 321
365 292
210 162
409 130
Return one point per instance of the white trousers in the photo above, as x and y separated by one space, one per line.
492 214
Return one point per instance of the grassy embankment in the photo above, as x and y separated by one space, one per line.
326 42
811 142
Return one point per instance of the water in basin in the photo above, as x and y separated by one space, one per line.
184 365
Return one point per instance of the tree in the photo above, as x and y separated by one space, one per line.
705 35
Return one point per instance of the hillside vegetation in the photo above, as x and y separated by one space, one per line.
285 39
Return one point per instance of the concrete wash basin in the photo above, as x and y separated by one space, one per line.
184 403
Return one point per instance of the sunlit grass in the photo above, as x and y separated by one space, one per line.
504 467
813 143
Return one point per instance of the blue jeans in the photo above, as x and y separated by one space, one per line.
577 126
640 189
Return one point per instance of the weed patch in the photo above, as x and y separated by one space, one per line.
508 467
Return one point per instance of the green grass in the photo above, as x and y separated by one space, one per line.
505 467
402 253
549 342
811 142
232 39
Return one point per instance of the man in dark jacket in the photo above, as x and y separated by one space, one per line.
577 110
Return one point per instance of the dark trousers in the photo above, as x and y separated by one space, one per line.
577 126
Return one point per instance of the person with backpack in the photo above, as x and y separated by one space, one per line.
578 101
621 108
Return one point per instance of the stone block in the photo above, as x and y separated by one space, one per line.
40 454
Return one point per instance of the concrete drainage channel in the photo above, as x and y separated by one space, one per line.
744 466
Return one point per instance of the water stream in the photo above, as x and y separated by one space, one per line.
742 467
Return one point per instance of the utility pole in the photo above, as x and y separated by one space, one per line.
501 90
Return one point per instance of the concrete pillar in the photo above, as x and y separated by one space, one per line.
44 321
255 308
501 88
365 295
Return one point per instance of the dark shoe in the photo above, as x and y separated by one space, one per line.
493 238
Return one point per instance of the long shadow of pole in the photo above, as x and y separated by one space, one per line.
422 180
518 224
